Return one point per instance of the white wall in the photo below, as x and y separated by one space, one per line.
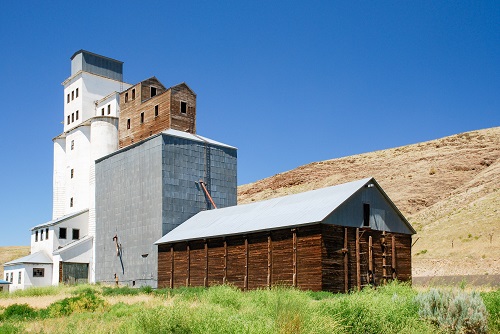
59 178
27 279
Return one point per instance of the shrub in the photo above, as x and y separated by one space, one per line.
84 302
119 291
146 289
492 302
10 329
455 311
19 312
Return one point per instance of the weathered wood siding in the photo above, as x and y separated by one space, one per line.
261 259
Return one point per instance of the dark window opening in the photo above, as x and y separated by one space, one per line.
38 272
109 109
67 100
12 277
72 172
41 235
128 123
102 112
77 92
133 94
183 107
36 236
71 202
153 91
142 117
46 234
19 278
72 117
126 97
76 115
76 234
72 95
62 232
156 111
68 119
72 144
366 215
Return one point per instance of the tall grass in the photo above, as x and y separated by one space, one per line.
393 308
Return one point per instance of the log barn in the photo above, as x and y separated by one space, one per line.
334 239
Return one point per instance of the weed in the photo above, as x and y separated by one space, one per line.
19 312
491 300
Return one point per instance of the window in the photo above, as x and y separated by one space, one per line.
67 100
133 94
46 234
19 278
36 236
109 109
68 119
72 95
72 144
156 111
72 117
76 234
77 92
128 123
7 276
12 277
366 215
102 111
71 202
72 172
153 91
38 272
76 115
41 235
62 232
183 107
126 97
142 117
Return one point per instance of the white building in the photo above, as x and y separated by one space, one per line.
63 249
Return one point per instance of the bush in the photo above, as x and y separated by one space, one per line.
119 291
492 302
84 302
19 312
10 329
455 311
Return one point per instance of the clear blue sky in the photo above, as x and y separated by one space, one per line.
287 82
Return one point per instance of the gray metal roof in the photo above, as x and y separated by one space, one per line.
60 219
4 282
195 137
73 244
38 257
293 210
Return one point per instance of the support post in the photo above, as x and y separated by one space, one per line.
370 260
394 273
346 262
245 281
172 267
294 278
224 278
358 264
205 280
269 261
188 264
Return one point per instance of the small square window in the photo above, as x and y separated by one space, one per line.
62 232
183 107
128 123
109 109
72 95
76 234
36 236
76 115
126 97
142 117
102 112
72 172
19 278
77 92
72 144
71 202
38 272
156 111
153 91
133 94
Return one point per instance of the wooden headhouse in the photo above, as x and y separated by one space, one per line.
335 239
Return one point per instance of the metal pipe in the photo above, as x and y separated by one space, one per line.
207 193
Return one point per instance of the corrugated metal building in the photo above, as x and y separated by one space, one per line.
334 239
148 188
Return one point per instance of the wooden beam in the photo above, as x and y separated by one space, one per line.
205 279
346 262
358 264
269 260
370 260
188 264
245 281
294 237
224 278
393 254
172 267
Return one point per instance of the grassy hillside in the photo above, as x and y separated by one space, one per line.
10 253
448 188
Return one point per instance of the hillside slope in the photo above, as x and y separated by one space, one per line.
10 253
448 188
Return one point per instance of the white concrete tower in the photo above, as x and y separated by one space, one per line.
91 111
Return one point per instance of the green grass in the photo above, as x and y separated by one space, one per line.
393 308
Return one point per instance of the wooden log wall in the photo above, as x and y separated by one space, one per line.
318 256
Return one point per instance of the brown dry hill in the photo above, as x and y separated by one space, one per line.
448 188
10 253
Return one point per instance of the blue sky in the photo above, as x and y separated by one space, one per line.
287 82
